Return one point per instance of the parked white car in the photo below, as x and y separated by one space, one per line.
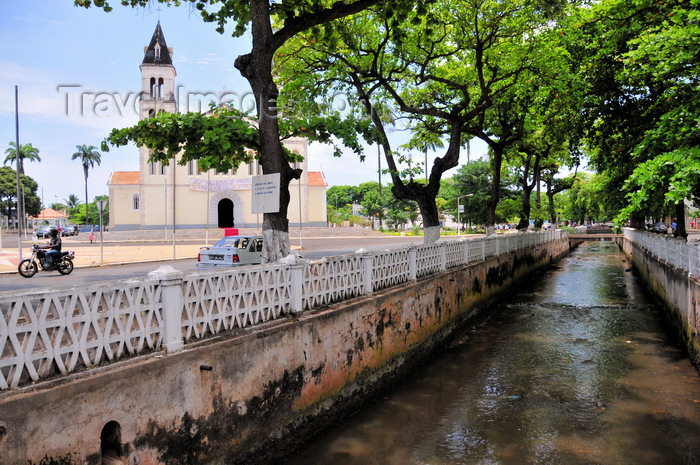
231 251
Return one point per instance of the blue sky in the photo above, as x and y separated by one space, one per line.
58 55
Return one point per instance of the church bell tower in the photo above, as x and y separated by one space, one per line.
157 78
157 96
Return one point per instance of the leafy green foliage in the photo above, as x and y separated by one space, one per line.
539 81
438 71
72 201
659 184
77 214
220 141
588 199
640 59
226 138
8 192
26 152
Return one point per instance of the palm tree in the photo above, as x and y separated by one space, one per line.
26 151
89 156
72 201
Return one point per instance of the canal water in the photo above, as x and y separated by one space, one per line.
575 370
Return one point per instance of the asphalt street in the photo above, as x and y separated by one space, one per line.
138 259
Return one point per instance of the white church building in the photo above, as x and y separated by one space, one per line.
163 197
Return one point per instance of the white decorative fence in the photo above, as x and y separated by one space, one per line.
682 254
59 332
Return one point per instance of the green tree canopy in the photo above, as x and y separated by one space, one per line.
441 73
8 192
640 59
662 184
72 201
26 152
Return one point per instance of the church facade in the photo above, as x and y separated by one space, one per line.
182 197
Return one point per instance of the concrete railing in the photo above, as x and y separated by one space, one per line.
43 334
676 252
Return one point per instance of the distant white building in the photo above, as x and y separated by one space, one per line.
156 196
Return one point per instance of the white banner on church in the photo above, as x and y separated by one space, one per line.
237 184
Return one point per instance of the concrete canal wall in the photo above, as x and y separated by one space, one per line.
245 395
670 268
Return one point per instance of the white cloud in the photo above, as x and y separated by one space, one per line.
44 121
36 19
49 100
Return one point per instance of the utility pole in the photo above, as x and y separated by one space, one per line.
19 202
379 167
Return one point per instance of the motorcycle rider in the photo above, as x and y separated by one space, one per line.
54 247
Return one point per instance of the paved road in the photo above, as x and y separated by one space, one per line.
154 255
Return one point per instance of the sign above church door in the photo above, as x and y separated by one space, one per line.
216 185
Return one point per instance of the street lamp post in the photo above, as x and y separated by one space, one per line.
459 223
101 207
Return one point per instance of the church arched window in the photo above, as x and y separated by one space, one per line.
153 87
135 202
161 87
151 113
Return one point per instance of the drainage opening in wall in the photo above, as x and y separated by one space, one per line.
111 444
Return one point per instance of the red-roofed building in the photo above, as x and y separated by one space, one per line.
51 217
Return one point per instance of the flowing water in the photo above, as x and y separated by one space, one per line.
576 370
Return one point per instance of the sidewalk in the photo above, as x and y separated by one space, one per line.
143 246
112 254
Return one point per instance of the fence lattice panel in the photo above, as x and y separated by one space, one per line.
42 334
454 254
428 259
490 246
694 260
216 301
475 251
332 280
674 251
391 267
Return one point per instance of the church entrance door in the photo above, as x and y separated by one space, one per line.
225 211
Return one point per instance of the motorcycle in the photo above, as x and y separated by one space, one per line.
28 267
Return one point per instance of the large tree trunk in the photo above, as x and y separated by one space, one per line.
496 162
550 196
637 221
524 222
85 171
256 67
424 195
680 222
431 216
